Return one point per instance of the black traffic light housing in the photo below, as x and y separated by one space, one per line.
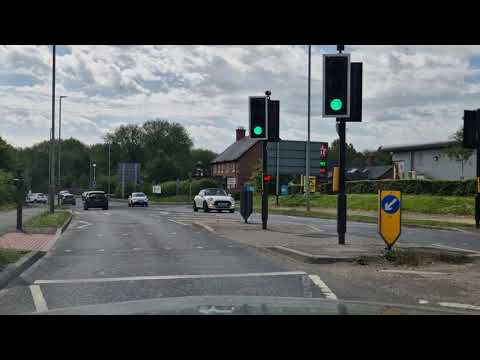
356 75
258 125
471 129
336 85
323 159
273 120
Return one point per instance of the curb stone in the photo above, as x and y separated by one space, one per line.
310 258
12 271
204 226
15 269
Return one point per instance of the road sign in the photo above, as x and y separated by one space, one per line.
389 216
284 190
312 184
336 85
94 184
156 189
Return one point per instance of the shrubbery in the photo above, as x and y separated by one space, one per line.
432 187
169 188
7 189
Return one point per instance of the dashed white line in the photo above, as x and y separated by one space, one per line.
459 306
453 248
422 302
68 250
85 224
38 299
169 277
323 287
107 213
177 222
101 250
412 272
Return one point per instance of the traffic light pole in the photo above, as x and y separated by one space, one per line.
264 187
342 197
477 195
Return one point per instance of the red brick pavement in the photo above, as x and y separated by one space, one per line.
22 241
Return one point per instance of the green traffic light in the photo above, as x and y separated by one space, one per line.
323 163
336 104
258 130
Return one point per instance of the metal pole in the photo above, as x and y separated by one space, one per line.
342 197
264 187
52 141
278 170
59 145
307 172
123 181
109 169
477 196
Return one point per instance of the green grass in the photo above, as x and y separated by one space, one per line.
8 256
47 220
367 219
425 204
8 207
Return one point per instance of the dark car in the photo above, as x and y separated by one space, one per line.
96 199
68 199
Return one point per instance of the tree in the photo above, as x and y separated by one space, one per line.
457 152
6 155
380 157
353 158
202 157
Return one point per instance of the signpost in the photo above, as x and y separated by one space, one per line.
312 184
389 216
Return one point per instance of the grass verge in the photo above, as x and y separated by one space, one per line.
8 256
48 220
370 219
425 204
8 207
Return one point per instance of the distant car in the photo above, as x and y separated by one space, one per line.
96 199
213 199
84 195
37 198
137 198
63 192
68 199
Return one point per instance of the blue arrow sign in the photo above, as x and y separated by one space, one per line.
390 204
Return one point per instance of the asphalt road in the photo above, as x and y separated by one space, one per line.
131 254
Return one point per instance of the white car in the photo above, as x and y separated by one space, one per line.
213 199
137 198
37 198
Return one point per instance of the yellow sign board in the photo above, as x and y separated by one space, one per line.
312 184
478 185
336 179
389 216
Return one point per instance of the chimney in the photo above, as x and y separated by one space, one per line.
240 133
371 160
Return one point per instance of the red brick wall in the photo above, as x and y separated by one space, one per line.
247 163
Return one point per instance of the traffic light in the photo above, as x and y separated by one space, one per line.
336 85
267 178
356 75
323 158
471 129
273 120
258 124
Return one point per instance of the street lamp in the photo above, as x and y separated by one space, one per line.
51 193
59 145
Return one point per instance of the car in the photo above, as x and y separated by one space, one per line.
84 195
37 198
67 198
96 199
63 192
213 199
137 198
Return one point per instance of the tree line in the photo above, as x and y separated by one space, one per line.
164 149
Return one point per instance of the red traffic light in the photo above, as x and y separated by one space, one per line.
323 170
267 178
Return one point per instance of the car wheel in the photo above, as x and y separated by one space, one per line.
205 207
232 211
195 207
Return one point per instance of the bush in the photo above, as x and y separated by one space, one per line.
432 187
7 190
169 188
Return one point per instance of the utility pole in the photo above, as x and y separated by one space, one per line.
59 145
109 168
342 197
52 142
307 170
264 170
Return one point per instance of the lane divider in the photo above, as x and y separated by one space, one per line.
323 287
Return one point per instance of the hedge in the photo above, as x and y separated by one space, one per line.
169 188
432 187
7 189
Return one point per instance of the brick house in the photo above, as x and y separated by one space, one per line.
236 165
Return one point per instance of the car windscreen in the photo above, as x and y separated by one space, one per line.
138 195
215 192
96 194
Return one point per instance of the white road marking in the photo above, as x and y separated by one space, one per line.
459 306
125 234
315 228
177 222
137 249
38 299
163 213
101 250
107 213
199 247
85 224
323 287
423 302
68 250
100 235
168 277
413 272
453 248
149 234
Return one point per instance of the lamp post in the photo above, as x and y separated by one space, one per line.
51 193
94 181
59 145
109 143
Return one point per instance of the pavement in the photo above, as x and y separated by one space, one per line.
126 254
8 219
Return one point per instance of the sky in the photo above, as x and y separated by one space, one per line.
411 94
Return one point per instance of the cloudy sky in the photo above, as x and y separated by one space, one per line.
411 93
